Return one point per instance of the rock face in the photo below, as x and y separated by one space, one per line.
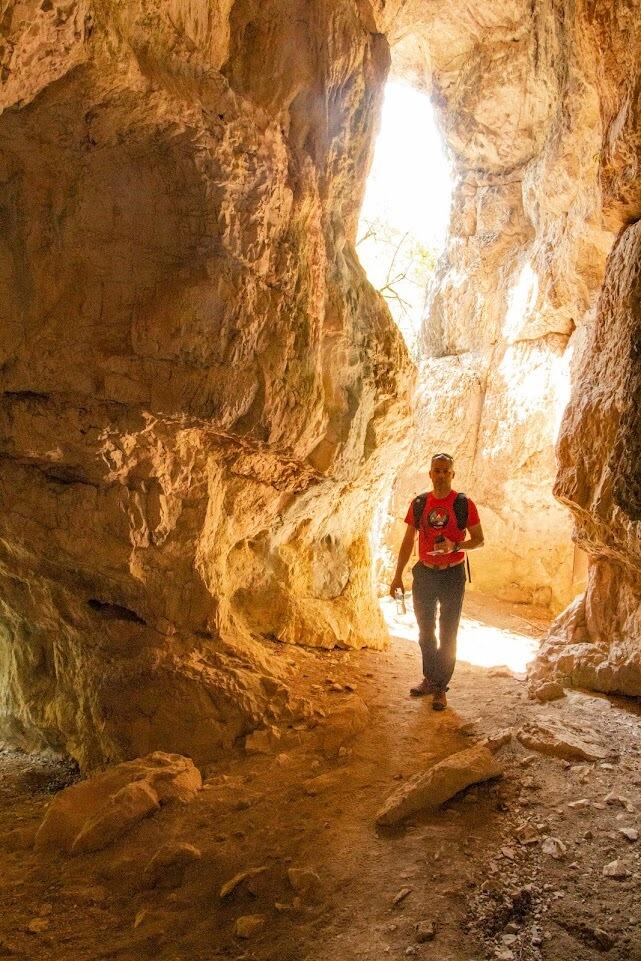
516 90
203 398
595 643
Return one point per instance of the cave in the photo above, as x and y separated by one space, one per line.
209 416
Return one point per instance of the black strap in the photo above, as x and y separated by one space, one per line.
461 510
418 506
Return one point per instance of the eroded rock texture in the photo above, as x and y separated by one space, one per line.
596 643
539 104
518 88
203 398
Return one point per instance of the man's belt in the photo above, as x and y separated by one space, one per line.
442 567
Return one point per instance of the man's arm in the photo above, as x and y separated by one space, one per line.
403 557
474 540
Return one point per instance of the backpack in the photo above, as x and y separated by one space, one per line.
460 512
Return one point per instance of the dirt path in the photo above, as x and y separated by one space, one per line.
311 804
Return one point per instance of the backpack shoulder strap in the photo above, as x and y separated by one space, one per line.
461 510
418 506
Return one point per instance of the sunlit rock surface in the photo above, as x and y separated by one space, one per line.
597 642
203 398
521 108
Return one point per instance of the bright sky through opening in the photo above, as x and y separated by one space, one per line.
406 210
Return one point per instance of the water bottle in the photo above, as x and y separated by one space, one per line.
399 597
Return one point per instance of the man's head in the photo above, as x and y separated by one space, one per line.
441 474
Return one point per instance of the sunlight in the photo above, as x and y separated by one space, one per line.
481 644
406 210
521 302
563 389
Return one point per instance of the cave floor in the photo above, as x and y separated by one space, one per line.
463 868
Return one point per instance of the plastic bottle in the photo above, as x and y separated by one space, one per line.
399 597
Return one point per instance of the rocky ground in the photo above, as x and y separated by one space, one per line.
542 863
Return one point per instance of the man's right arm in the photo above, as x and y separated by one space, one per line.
403 557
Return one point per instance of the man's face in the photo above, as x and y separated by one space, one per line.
441 474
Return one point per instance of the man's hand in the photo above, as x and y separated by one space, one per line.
395 585
447 546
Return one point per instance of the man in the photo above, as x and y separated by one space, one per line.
439 576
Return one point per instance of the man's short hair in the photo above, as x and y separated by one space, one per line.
442 457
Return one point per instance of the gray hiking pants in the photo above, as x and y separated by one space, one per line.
446 589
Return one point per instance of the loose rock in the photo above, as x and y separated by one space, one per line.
432 788
553 738
167 867
249 924
617 869
425 931
554 847
402 894
304 881
264 741
551 691
94 813
115 817
630 833
237 879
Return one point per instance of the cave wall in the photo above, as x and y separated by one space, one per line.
203 400
516 86
596 643
541 107
202 397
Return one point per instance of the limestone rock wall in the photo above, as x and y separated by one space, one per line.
597 642
521 107
540 105
202 397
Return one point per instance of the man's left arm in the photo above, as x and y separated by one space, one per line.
475 539
471 542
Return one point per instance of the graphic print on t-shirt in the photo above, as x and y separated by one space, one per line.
438 518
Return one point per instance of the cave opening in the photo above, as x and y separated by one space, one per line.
433 230
406 209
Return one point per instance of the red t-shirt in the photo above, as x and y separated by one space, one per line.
439 520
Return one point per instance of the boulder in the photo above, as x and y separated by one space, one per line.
550 691
115 817
431 788
94 813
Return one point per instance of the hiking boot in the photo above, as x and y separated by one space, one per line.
423 689
439 701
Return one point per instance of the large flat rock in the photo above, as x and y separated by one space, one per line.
555 739
432 788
